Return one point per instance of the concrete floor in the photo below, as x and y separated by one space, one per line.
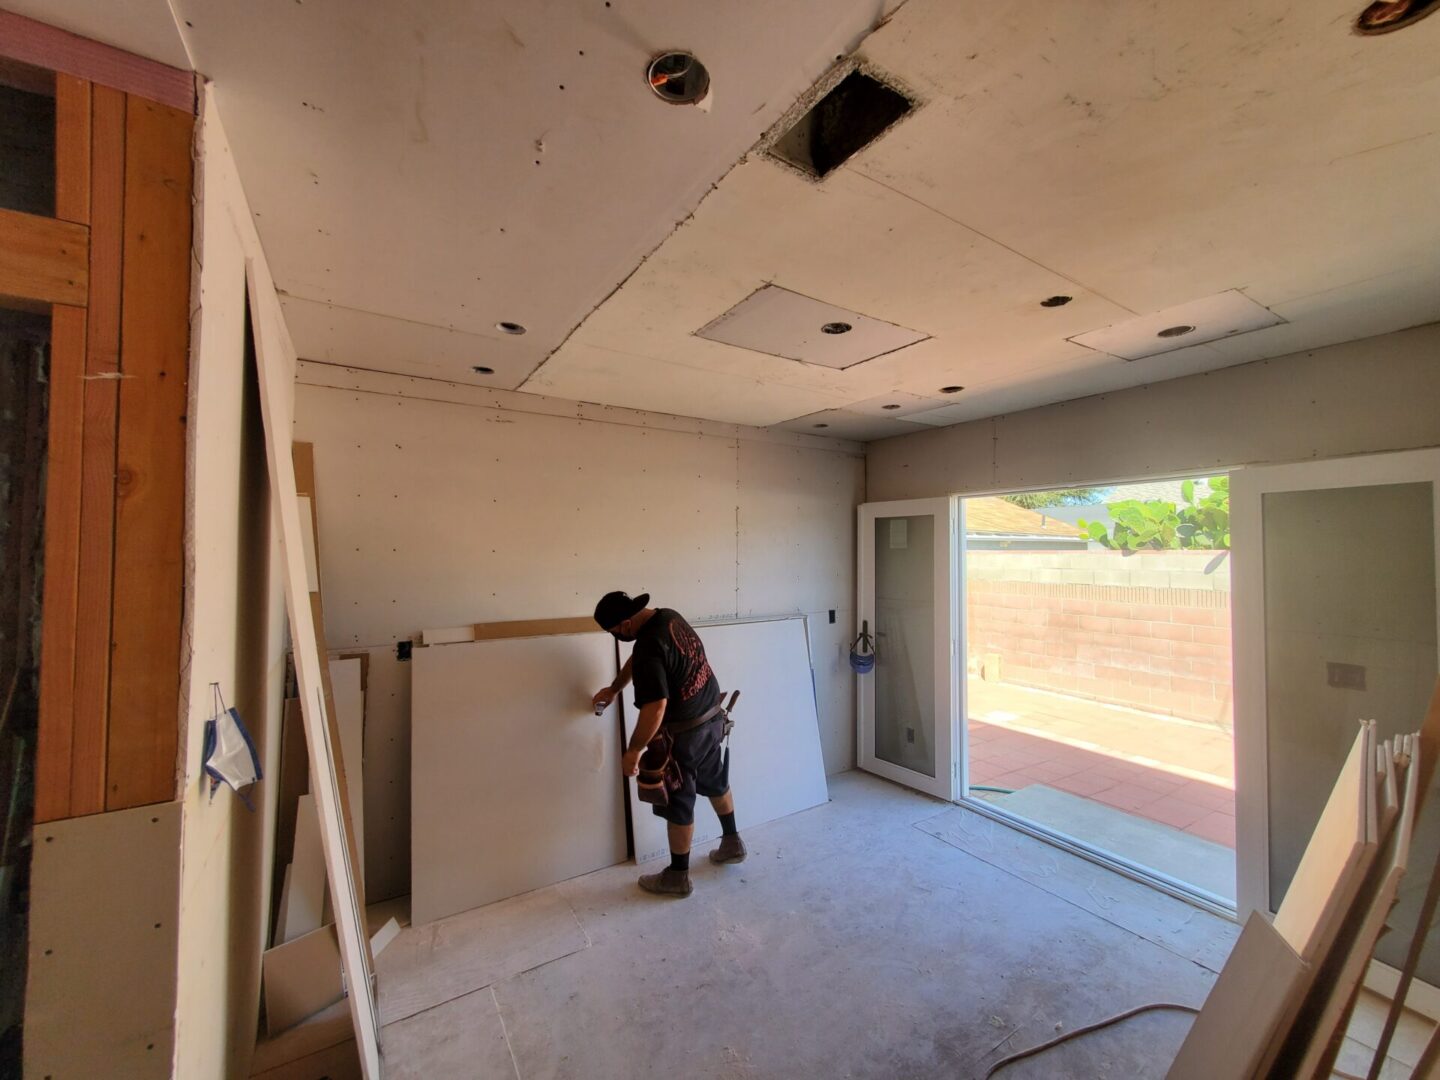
883 935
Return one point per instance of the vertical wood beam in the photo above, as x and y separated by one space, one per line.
72 149
150 503
62 556
97 481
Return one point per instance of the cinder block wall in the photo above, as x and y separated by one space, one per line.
1149 630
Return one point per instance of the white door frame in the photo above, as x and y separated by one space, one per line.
1247 544
949 602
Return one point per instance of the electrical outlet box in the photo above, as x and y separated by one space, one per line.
832 615
1345 676
909 734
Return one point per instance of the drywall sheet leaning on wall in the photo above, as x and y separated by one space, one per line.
101 996
776 767
515 781
275 358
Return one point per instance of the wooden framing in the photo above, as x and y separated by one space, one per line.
62 558
45 46
150 457
42 261
113 268
97 481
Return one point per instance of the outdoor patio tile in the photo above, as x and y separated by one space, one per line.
1212 795
1126 796
1086 784
1215 826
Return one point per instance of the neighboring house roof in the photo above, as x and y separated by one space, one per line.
993 516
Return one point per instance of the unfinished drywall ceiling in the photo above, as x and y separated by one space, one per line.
1132 157
422 172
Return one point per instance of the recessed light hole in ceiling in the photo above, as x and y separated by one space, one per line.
481 369
819 425
510 328
1175 331
1056 301
1388 15
889 408
836 328
842 123
678 78
951 389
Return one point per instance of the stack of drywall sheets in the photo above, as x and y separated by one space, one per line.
1283 1001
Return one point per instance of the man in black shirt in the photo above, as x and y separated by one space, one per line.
674 687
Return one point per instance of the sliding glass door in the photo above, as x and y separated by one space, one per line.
909 705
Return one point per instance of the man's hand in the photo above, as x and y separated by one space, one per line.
630 762
603 698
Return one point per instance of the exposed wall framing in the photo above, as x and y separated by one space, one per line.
112 268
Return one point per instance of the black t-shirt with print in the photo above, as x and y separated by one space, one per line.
669 662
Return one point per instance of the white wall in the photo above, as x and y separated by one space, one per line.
442 505
235 636
1374 394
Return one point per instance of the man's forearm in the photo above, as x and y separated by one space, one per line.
623 679
647 724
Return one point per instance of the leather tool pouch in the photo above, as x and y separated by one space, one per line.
659 771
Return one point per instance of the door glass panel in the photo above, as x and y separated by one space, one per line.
905 642
1350 608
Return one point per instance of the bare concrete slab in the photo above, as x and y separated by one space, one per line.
463 1037
850 944
431 964
1170 923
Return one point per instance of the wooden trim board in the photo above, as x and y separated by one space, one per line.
776 765
42 45
275 359
43 261
513 777
496 631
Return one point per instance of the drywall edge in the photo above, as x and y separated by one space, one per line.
1365 396
335 377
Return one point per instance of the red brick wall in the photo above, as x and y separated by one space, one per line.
1161 649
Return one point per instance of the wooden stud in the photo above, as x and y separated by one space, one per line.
150 468
580 624
72 149
62 557
97 483
42 261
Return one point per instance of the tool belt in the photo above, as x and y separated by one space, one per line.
659 773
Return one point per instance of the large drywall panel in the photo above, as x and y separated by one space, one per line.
387 775
1363 396
101 994
235 637
776 767
515 782
523 163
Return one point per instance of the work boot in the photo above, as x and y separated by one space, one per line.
731 849
667 883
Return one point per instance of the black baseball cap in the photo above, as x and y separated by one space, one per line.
614 608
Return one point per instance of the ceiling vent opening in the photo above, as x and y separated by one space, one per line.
852 115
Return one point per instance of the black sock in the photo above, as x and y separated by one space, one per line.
680 862
727 823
